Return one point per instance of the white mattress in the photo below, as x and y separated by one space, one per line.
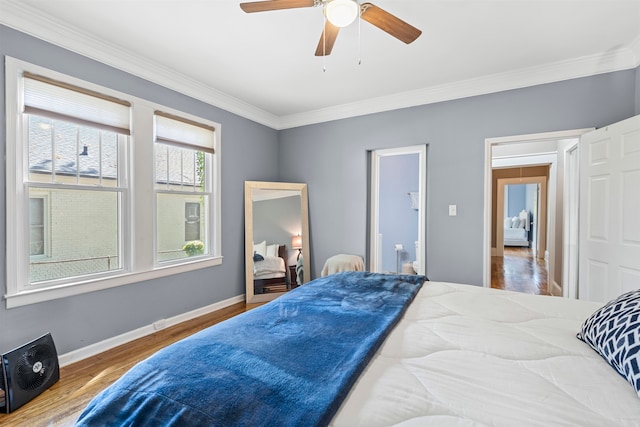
471 356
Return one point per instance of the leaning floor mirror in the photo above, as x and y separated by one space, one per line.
276 238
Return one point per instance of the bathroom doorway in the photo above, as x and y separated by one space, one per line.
397 210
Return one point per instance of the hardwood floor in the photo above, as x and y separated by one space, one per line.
61 404
519 271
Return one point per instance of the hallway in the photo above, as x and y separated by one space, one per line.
519 271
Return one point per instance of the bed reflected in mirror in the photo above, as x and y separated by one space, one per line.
276 238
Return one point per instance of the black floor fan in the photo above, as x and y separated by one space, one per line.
27 371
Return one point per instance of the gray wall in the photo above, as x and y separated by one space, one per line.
331 158
82 320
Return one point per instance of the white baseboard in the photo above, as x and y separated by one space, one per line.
109 343
555 289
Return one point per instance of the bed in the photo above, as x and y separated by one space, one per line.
270 268
516 230
364 349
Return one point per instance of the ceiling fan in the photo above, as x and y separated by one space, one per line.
341 13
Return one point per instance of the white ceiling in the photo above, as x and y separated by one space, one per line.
262 65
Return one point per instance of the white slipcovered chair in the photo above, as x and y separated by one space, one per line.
342 262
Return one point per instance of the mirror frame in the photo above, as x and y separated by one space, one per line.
249 187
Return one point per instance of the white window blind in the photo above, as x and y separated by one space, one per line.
183 132
49 98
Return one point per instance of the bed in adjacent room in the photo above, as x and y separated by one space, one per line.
364 349
516 230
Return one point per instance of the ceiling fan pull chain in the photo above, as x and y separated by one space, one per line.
359 38
324 44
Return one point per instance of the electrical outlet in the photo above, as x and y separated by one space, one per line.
160 324
399 247
453 210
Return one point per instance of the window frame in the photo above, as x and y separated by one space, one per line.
168 189
138 261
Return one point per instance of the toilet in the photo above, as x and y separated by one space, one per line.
416 264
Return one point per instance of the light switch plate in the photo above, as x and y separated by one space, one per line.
453 210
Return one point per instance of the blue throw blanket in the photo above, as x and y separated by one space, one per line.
287 363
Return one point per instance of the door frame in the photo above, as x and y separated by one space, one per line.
488 175
541 225
375 260
571 209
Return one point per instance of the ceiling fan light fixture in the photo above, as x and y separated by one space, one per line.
341 12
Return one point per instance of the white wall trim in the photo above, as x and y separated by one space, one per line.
22 17
109 343
523 160
570 203
554 288
635 49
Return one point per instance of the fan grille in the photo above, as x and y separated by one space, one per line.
35 367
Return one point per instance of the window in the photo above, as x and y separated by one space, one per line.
183 152
82 208
75 143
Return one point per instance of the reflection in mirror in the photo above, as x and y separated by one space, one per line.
276 238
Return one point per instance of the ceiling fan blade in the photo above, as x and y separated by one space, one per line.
389 23
327 39
263 6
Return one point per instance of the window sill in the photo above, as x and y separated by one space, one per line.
78 288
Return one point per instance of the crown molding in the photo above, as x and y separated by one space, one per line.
26 19
617 60
635 49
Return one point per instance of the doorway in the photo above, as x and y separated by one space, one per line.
397 210
518 262
522 201
532 231
533 149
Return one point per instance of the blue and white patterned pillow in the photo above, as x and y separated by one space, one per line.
614 332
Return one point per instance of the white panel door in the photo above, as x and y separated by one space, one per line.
610 211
